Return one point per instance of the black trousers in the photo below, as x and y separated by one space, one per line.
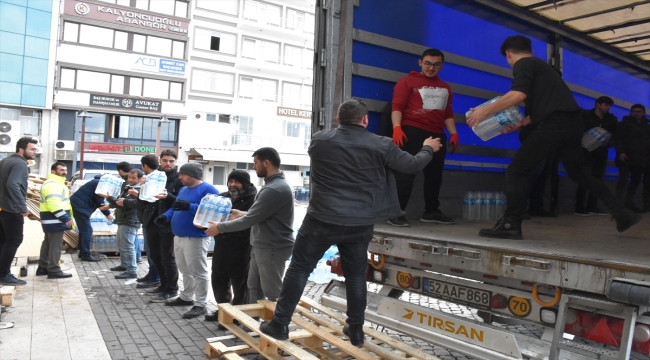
646 186
230 268
432 172
629 178
562 134
596 165
161 246
11 236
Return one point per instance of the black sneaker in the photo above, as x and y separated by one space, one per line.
126 275
437 217
90 258
148 284
155 291
11 280
144 278
400 221
163 297
180 302
581 212
195 311
41 271
597 211
212 317
625 219
118 268
505 229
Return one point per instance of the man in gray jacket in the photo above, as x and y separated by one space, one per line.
270 219
13 205
352 188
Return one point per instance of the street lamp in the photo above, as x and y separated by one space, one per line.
162 120
83 115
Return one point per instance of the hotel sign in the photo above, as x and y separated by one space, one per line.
125 16
305 114
124 102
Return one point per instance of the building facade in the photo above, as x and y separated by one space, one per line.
27 55
250 84
126 63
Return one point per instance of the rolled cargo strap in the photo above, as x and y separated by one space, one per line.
629 293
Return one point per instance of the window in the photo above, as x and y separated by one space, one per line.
95 127
224 6
211 117
258 89
261 50
115 84
118 2
159 46
178 50
245 125
300 21
205 38
93 35
143 128
135 86
212 81
121 40
298 57
175 91
29 125
139 43
292 129
156 89
263 13
224 118
169 7
67 78
93 81
70 32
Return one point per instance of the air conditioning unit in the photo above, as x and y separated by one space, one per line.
64 145
9 135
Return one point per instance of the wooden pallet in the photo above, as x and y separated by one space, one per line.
316 336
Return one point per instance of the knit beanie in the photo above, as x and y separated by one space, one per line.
194 170
242 176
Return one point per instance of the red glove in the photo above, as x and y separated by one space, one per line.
398 136
453 142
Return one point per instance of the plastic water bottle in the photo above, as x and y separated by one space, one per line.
227 206
492 125
490 205
467 204
500 205
479 205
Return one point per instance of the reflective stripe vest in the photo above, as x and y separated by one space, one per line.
55 204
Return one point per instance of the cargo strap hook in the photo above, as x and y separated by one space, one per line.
377 265
556 299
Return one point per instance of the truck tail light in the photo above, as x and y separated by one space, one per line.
499 301
335 266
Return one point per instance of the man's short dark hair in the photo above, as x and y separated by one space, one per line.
352 112
517 44
605 100
168 152
268 153
138 172
151 161
24 141
124 166
57 164
433 52
638 106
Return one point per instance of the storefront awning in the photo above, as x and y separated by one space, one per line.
244 156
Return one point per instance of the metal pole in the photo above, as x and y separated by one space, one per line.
76 144
158 137
81 154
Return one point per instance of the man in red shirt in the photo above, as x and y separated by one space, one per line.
422 109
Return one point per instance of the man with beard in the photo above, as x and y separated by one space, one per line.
270 219
232 251
13 205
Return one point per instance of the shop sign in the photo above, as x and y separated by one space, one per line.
196 159
110 148
158 65
125 16
305 114
124 102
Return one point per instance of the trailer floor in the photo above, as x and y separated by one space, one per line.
590 240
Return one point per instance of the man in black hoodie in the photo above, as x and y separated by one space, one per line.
631 154
232 251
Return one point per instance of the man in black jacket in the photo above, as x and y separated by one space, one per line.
596 160
232 251
631 154
344 206
161 239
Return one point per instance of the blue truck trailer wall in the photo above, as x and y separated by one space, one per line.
470 35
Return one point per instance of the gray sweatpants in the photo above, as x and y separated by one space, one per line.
265 273
51 251
192 260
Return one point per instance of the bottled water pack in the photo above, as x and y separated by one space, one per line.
109 184
595 138
483 205
492 125
212 208
154 185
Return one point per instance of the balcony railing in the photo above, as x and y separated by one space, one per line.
256 141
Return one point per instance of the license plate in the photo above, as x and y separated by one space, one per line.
458 294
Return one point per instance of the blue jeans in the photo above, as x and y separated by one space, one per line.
85 233
126 241
152 274
138 247
314 238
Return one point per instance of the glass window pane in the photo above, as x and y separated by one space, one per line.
248 48
159 46
148 132
172 130
273 15
269 90
142 4
156 89
228 43
175 91
93 81
246 87
139 43
124 127
162 6
70 32
224 83
67 78
202 39
97 36
121 40
178 50
271 52
117 84
96 124
135 86
135 128
181 9
306 96
123 2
